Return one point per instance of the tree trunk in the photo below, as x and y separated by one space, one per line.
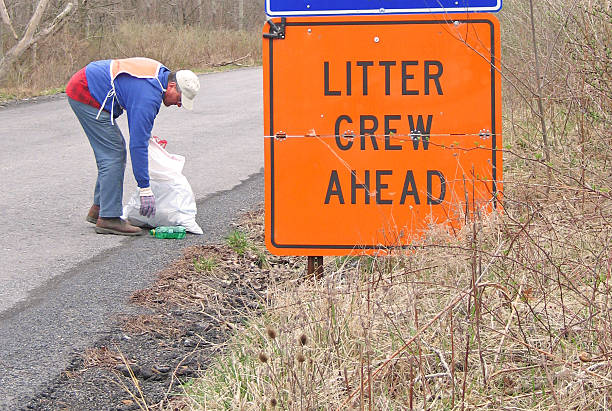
213 12
83 18
6 18
200 12
34 54
32 36
240 15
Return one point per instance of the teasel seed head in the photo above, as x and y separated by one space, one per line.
271 332
303 339
263 357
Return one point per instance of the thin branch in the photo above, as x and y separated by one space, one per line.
34 23
227 63
452 304
539 93
56 24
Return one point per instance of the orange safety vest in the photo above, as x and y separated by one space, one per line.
140 67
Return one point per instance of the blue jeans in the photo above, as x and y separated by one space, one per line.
108 146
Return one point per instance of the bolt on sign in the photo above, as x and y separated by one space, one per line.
352 7
377 127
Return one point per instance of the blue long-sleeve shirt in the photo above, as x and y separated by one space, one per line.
140 98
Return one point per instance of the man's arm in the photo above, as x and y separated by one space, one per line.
140 123
142 100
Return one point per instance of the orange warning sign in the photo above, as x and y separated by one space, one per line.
376 127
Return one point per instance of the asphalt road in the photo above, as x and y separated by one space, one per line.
60 283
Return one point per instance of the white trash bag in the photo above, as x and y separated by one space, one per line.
174 199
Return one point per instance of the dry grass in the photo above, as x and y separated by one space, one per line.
188 46
152 324
101 357
496 316
513 311
193 47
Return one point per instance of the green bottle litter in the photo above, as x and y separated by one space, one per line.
169 232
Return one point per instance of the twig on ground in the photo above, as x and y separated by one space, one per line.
228 62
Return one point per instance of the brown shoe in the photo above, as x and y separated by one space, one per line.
116 226
93 214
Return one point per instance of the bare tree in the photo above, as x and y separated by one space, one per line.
32 33
6 19
240 14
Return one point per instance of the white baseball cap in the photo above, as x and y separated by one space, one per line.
189 85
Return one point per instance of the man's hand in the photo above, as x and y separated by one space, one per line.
147 202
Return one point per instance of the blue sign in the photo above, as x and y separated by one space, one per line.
348 7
